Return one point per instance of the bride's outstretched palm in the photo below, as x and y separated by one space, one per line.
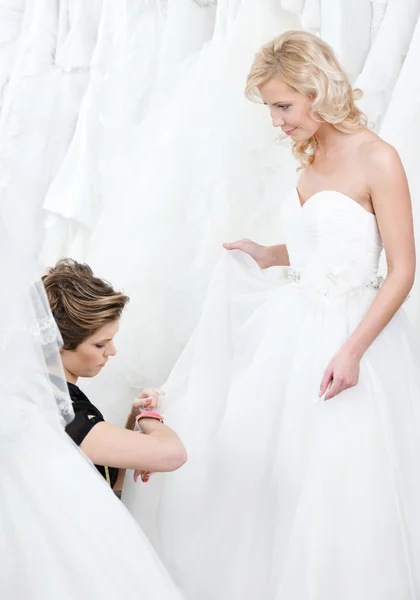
256 251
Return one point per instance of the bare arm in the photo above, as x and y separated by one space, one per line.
158 449
148 398
391 200
265 256
277 256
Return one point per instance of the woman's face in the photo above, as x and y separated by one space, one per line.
289 110
90 356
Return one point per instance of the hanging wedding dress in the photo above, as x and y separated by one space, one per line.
138 45
311 15
309 12
63 533
340 20
378 13
11 17
286 496
386 58
336 21
123 65
401 128
42 98
189 25
199 170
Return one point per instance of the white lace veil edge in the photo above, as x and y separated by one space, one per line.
31 372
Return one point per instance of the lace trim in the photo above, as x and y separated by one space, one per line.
43 333
64 404
45 330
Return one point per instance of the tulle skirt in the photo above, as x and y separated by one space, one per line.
62 533
286 496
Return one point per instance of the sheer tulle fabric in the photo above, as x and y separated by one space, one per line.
63 532
184 186
286 495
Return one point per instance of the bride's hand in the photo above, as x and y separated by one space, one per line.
256 251
341 374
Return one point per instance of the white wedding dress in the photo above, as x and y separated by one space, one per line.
386 58
11 16
63 533
194 173
139 44
124 63
42 98
339 21
287 496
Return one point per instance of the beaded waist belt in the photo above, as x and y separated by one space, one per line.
294 277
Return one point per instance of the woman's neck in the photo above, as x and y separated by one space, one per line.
329 139
70 378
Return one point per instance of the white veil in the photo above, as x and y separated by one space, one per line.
29 342
63 532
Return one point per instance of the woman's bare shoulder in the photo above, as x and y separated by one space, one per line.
374 149
382 167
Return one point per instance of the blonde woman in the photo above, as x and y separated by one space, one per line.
298 395
87 311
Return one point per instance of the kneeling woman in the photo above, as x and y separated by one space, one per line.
87 311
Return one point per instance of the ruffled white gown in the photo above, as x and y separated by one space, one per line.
340 20
11 17
63 533
386 57
123 65
139 43
378 12
42 98
197 171
286 496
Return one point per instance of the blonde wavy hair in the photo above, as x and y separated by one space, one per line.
80 302
308 65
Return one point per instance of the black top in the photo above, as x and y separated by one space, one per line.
86 416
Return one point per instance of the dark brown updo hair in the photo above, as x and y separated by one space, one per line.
80 302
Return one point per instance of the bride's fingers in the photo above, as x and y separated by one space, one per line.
237 245
326 381
334 390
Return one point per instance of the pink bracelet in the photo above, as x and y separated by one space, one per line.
149 415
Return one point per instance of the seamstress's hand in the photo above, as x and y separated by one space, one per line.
147 400
145 476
